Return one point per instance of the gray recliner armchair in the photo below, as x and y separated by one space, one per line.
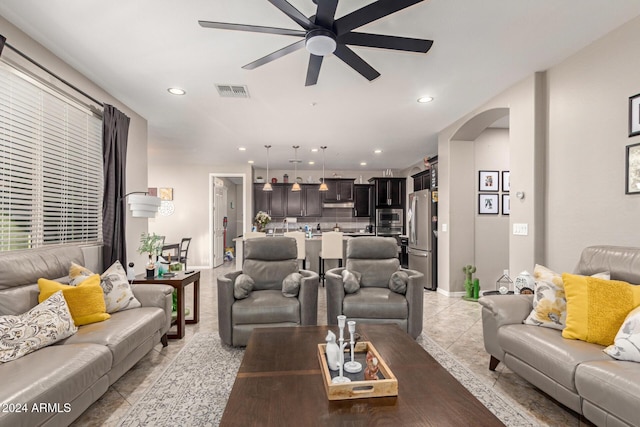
373 260
267 262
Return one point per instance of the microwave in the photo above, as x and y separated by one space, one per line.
389 218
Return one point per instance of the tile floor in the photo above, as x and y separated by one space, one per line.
453 323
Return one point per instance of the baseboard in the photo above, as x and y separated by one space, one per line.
451 294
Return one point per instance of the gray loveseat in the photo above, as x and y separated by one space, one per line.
575 373
376 260
73 373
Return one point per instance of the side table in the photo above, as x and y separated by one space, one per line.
179 281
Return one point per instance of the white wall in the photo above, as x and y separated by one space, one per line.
588 131
491 231
191 199
137 145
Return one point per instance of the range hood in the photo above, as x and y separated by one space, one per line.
335 205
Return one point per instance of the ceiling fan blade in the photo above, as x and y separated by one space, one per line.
326 12
293 13
313 70
386 42
354 61
251 28
275 55
370 13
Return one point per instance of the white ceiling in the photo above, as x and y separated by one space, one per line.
137 49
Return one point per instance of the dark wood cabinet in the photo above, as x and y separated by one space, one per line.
304 203
340 190
427 179
390 192
362 200
271 202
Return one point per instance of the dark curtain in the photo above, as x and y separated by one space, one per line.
115 132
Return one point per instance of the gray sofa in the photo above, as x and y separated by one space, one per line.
268 261
73 373
575 373
376 259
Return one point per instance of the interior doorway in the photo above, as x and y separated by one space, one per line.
227 213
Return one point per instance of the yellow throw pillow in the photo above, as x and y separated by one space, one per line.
86 301
596 308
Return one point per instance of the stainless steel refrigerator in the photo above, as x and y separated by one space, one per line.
421 236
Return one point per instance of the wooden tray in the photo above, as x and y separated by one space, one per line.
358 388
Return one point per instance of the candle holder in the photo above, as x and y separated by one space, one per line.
340 379
352 366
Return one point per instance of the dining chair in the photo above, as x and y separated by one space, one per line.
184 250
331 248
301 243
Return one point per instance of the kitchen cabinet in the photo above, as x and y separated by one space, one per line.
362 200
389 192
304 203
271 202
340 190
427 179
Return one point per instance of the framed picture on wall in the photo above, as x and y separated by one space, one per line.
632 177
506 204
488 181
488 204
634 115
506 181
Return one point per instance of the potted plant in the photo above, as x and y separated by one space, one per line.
259 180
261 220
151 244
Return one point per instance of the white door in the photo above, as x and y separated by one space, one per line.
219 212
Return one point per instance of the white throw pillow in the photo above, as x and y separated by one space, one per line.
549 302
118 295
46 323
626 345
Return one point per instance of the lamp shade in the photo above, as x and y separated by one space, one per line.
143 205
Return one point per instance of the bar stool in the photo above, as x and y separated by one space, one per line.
301 243
331 248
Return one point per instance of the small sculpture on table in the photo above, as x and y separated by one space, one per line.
371 371
333 352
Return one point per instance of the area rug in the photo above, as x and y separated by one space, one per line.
194 388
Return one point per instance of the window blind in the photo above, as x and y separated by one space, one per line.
51 180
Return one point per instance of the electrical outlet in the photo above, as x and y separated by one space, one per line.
520 229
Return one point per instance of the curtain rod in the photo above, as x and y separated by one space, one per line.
43 68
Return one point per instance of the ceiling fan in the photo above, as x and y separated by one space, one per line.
324 35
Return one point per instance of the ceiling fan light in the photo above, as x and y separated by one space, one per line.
320 42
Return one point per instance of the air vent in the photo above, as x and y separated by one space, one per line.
233 91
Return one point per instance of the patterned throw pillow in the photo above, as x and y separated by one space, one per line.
46 323
351 281
626 345
549 302
118 295
291 285
243 286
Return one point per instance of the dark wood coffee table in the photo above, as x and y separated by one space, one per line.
179 281
279 383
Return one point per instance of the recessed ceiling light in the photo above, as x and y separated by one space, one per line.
378 151
363 163
314 150
425 99
242 149
312 162
250 162
176 91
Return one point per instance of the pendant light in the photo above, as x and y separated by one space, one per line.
323 186
296 186
267 184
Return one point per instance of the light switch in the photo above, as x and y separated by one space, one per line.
520 229
445 227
